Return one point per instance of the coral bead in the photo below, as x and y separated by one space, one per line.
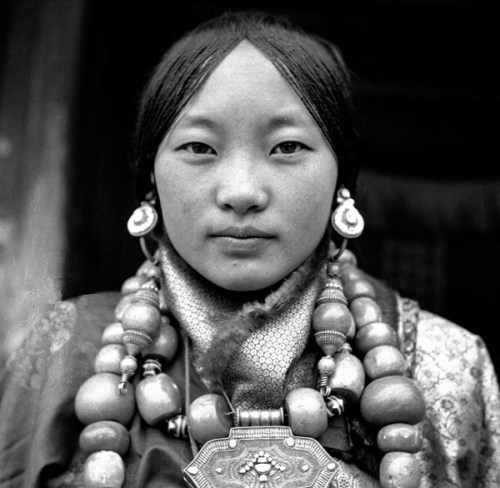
392 399
158 398
365 311
165 345
104 469
332 316
348 379
143 317
400 470
375 334
108 359
133 284
112 334
209 417
358 288
400 437
384 361
99 399
307 414
104 436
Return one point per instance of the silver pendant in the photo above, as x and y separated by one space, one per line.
261 457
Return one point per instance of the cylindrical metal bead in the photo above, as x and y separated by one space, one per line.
105 435
113 334
358 288
373 335
259 417
177 427
392 399
306 411
332 316
108 358
348 378
365 311
99 399
400 437
158 398
104 469
209 417
383 360
133 284
400 470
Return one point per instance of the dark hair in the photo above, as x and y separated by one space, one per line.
313 66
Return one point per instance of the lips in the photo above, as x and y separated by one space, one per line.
245 232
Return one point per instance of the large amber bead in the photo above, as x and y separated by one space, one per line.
104 469
365 311
158 398
399 437
373 335
400 470
348 378
112 334
209 417
306 411
108 358
133 284
99 399
332 316
106 435
392 399
165 345
384 360
358 288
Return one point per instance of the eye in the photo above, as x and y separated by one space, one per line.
288 147
198 148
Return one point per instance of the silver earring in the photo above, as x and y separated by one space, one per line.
346 219
143 220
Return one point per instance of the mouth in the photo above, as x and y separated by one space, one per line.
247 232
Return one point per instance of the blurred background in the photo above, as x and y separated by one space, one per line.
429 97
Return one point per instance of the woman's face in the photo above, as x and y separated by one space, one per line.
245 176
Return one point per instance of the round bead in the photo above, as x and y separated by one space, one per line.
122 306
133 284
143 317
128 365
384 360
332 316
350 273
108 359
400 470
326 365
104 436
165 345
104 469
365 311
307 414
158 398
375 334
113 334
348 379
99 399
358 288
209 417
392 399
400 437
348 258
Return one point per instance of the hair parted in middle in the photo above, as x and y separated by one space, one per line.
312 66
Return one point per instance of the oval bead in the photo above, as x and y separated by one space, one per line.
348 258
400 470
133 284
382 361
165 345
112 334
158 398
399 437
365 310
108 358
358 288
350 273
209 417
332 316
392 399
143 317
348 378
373 335
106 435
104 469
122 306
306 411
99 399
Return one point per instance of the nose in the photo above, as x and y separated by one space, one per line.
242 187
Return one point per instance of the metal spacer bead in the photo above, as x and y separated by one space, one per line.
325 337
259 417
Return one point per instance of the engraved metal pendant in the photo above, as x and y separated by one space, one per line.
261 457
143 220
346 219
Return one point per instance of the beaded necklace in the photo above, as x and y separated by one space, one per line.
346 318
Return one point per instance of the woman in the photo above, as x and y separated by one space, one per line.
248 350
